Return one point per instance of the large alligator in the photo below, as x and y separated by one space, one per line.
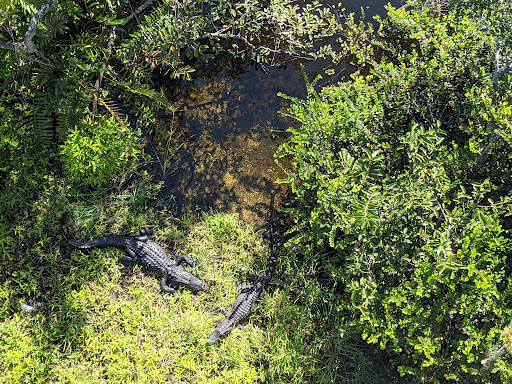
150 255
247 300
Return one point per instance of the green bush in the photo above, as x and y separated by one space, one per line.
389 201
83 59
93 152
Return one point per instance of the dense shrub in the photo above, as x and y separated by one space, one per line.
388 198
93 152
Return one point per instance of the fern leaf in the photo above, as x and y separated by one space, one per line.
151 94
115 110
54 24
41 76
70 111
43 118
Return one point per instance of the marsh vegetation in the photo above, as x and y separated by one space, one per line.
394 261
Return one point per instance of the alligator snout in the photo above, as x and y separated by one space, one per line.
199 286
214 338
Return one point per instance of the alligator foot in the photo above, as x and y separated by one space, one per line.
144 234
214 338
244 287
184 258
165 288
126 261
221 310
130 258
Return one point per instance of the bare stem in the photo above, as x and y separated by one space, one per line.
482 158
486 363
32 26
97 86
12 46
28 45
138 11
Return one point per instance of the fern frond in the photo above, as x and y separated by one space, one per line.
115 110
161 35
43 119
151 94
54 24
70 111
41 76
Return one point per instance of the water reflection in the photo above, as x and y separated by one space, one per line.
233 129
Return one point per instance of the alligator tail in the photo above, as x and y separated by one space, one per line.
63 220
214 338
100 242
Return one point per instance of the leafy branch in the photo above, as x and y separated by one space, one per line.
28 45
486 363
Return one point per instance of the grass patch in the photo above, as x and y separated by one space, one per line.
96 321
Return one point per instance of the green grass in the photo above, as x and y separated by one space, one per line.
97 322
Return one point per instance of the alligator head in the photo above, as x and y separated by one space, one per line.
182 278
223 329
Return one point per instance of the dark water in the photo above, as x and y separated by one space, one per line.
232 128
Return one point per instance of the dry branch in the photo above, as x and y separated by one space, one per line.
110 46
486 363
139 10
28 45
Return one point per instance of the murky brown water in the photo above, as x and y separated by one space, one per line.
232 129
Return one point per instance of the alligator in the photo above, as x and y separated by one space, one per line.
151 256
247 300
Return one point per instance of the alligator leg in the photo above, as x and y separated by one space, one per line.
183 258
243 287
147 231
221 310
130 258
226 313
144 234
165 287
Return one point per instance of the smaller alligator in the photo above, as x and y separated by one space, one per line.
247 300
150 255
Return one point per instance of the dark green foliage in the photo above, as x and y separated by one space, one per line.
56 89
53 140
49 95
394 200
390 204
180 33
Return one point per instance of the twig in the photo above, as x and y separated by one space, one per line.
110 46
138 11
482 158
28 45
12 46
31 31
486 363
97 85
499 72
